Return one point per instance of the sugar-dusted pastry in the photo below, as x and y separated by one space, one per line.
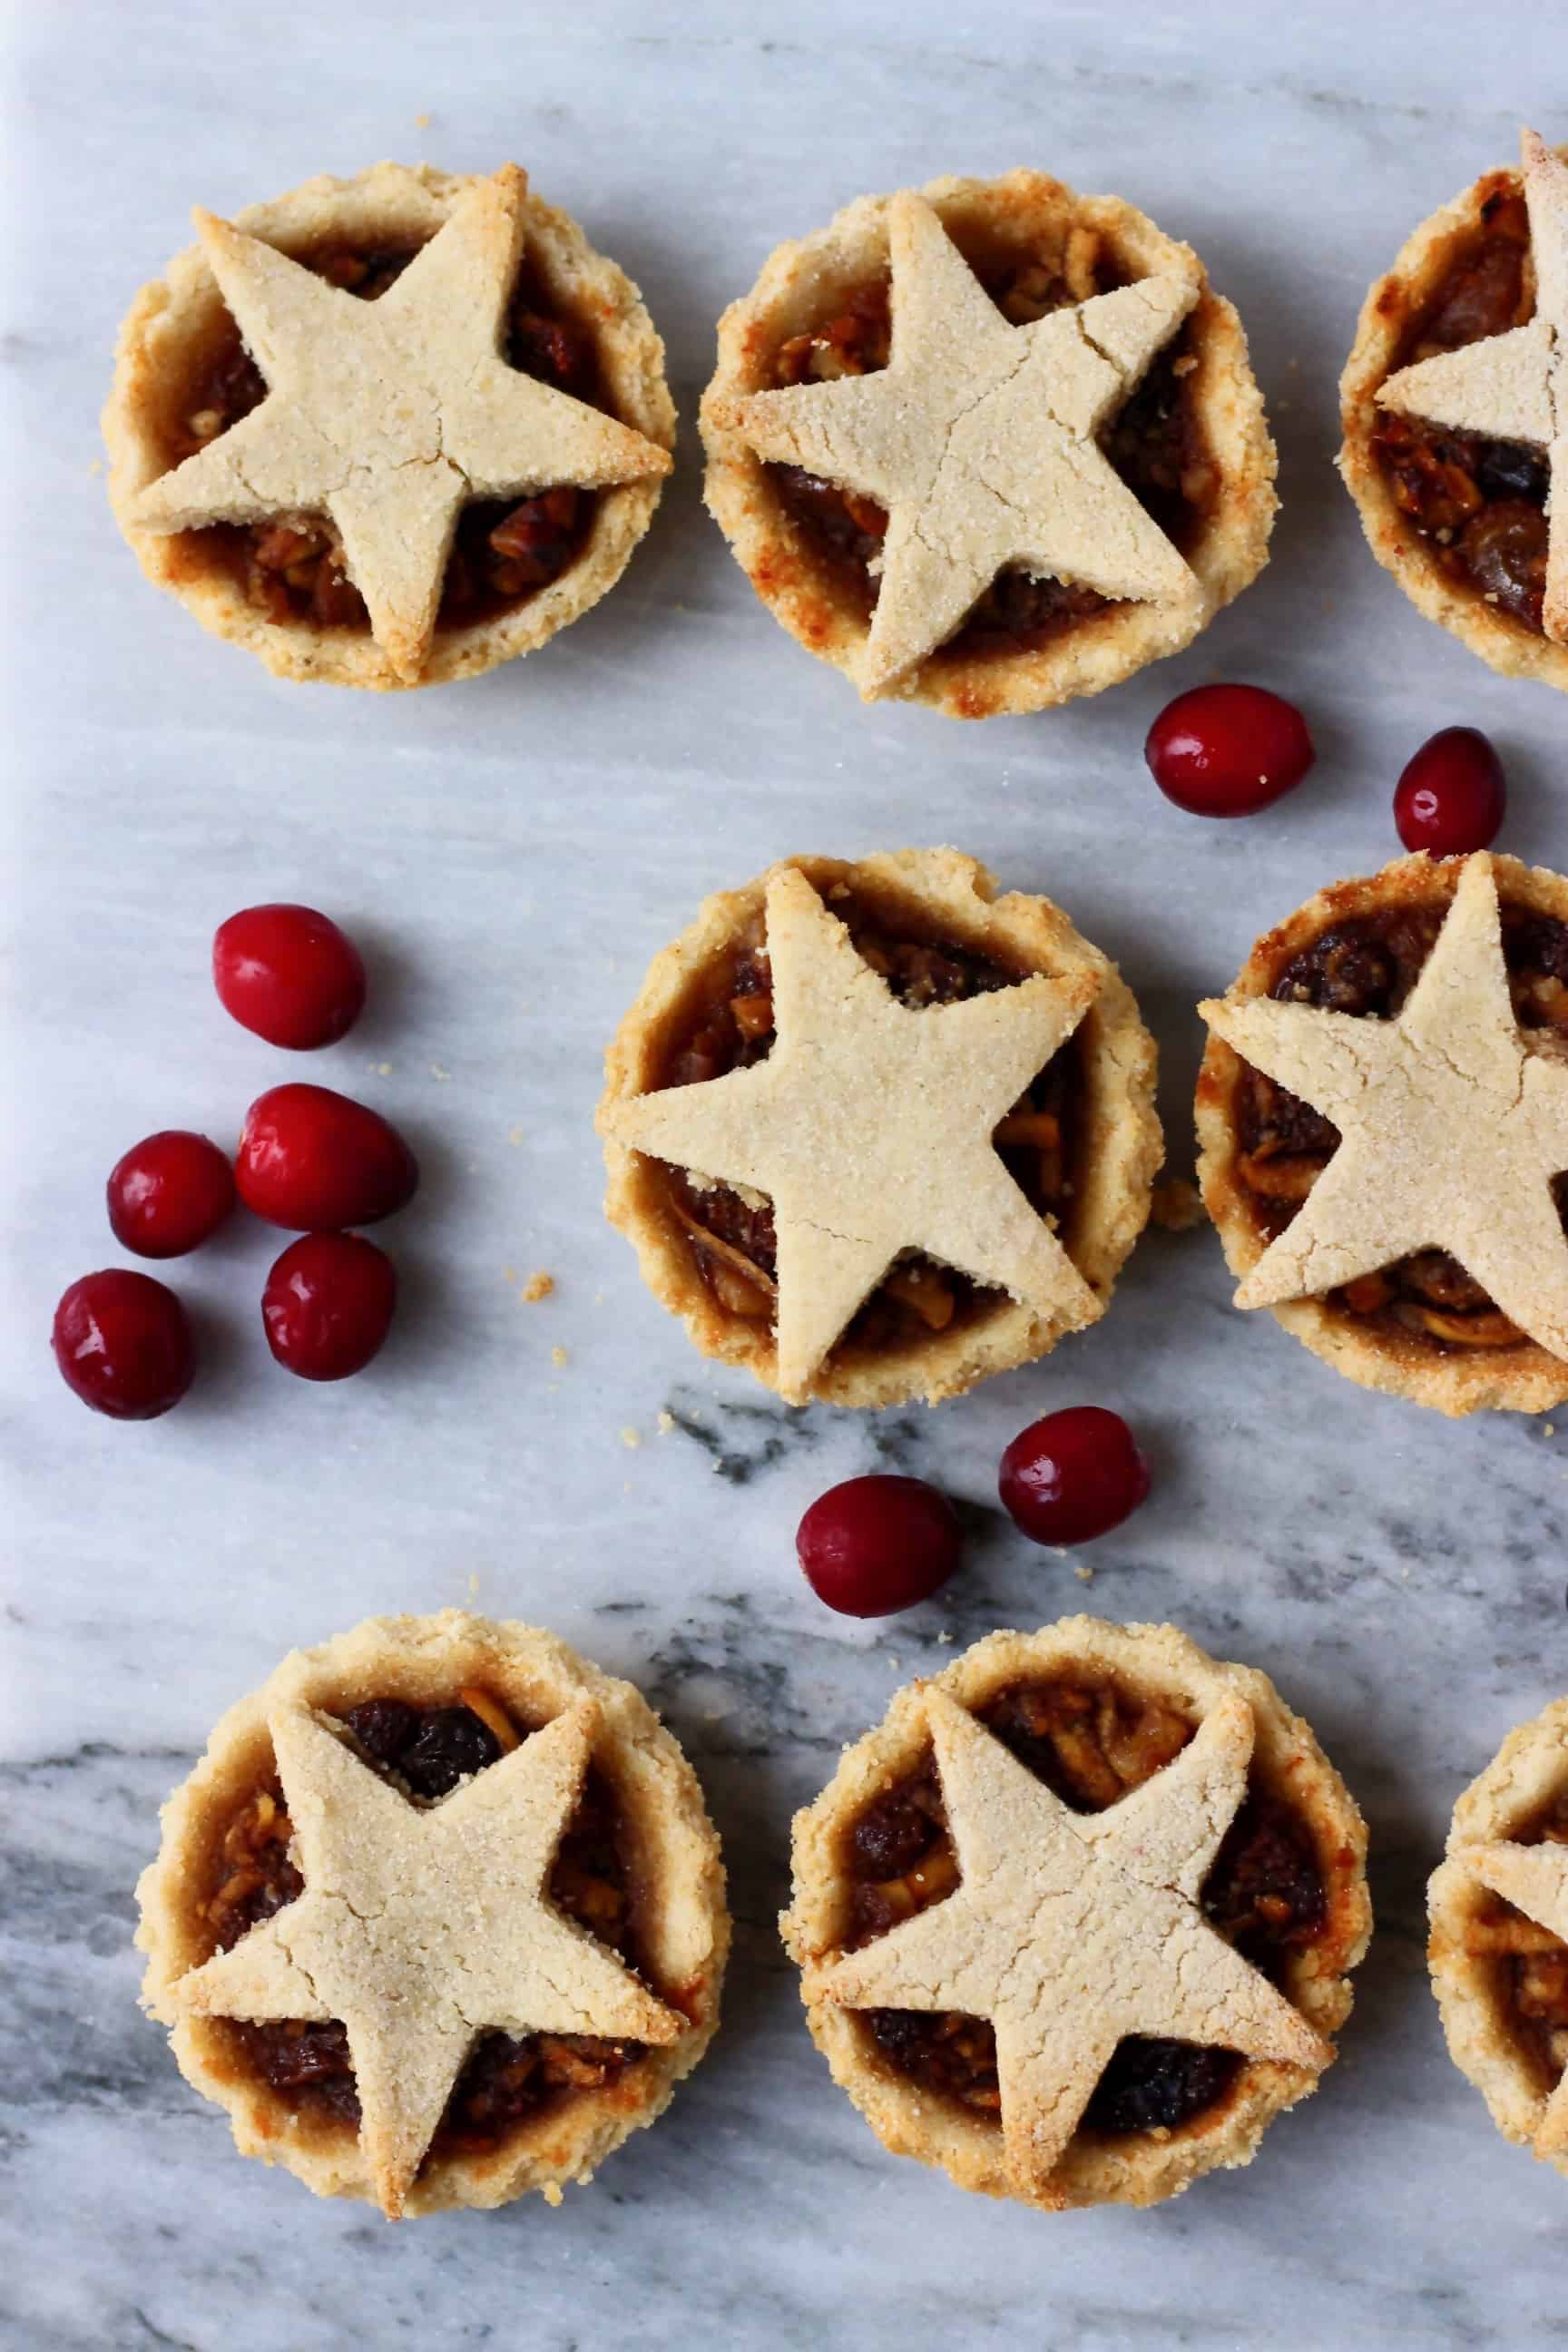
989 445
876 1132
389 431
438 1918
1498 1953
1075 1921
1383 1116
1455 398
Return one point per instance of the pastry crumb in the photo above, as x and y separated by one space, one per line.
1549 1429
1084 1575
631 1438
945 1640
1176 1207
514 1136
558 1357
666 1422
422 122
382 1069
539 1286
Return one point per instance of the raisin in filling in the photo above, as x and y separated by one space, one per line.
1091 1743
1367 966
1155 444
1479 505
505 550
730 1235
508 2080
1529 1964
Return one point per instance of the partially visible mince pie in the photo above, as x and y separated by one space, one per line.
389 431
1499 1952
1455 403
438 1918
989 445
1383 1116
1077 1920
876 1132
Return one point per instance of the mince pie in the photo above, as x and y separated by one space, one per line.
1383 1116
438 1918
989 445
1076 1922
1499 1952
1455 401
876 1132
389 431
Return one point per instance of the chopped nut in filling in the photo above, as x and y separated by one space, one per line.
1478 504
730 1232
1154 443
1090 1742
1529 1963
505 550
1366 966
507 2080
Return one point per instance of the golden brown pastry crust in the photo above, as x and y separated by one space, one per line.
1122 1143
183 314
1156 1661
1528 1770
1423 260
800 281
1524 1378
425 1659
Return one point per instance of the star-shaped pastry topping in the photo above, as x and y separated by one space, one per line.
422 1929
869 1128
1514 387
389 415
1452 1129
979 439
1535 1879
1071 1930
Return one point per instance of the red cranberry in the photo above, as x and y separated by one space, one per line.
1452 796
1072 1476
170 1193
878 1544
123 1344
1228 751
290 974
311 1158
328 1305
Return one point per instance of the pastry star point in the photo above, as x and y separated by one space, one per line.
372 1939
1534 1880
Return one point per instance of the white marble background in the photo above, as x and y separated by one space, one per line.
512 852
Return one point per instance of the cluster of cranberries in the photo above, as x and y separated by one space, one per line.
310 1160
878 1544
1230 750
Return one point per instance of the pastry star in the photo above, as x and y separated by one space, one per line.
870 1127
1535 1879
422 1929
1069 1930
1452 1129
978 438
389 415
1514 387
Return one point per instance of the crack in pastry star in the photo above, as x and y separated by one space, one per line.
1535 1879
1514 386
978 438
420 1928
1117 1892
1452 1129
869 1126
388 416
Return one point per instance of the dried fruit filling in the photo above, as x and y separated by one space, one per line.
505 550
731 1234
1481 504
508 2080
1367 966
1090 1742
1529 1963
1154 443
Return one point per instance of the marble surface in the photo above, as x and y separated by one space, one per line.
512 852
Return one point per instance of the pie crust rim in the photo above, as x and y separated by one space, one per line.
1468 1380
425 1660
1422 262
1119 1157
1529 1770
1145 2168
1090 655
397 201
